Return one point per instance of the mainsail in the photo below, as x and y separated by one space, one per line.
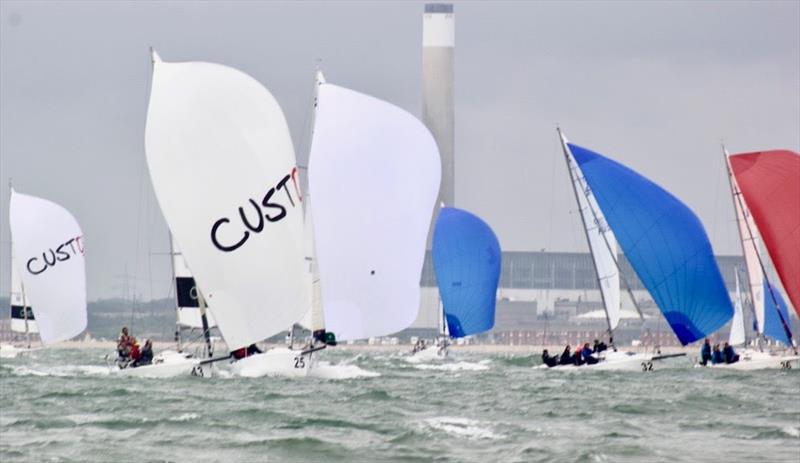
48 246
467 261
223 168
187 295
665 243
602 243
770 184
749 237
22 319
737 335
374 173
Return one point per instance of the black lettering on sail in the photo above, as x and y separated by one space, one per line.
265 202
31 264
18 312
247 223
219 245
52 254
62 255
186 289
282 185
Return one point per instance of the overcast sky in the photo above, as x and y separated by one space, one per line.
654 85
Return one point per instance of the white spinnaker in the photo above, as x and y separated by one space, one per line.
186 292
374 173
48 247
602 241
737 335
18 302
219 151
314 319
749 237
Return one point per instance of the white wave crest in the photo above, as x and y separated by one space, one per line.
463 427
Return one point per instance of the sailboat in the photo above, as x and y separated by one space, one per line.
664 242
22 318
467 261
223 168
48 271
374 173
768 306
191 314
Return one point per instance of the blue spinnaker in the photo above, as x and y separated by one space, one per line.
466 259
665 243
773 327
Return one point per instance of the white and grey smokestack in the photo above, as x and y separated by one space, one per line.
438 43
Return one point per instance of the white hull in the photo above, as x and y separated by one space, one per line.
612 361
167 364
429 353
10 351
759 361
279 361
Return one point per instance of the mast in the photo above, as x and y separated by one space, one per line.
751 237
575 180
201 302
25 315
175 285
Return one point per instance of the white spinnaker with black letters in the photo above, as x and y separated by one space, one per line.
217 145
186 292
20 321
602 242
49 254
374 174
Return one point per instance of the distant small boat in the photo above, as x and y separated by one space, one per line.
48 272
22 318
467 261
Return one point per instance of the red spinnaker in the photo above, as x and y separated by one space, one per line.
770 183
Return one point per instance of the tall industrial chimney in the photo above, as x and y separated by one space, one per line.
438 42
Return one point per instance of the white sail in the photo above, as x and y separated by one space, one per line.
749 237
314 319
602 242
21 322
737 335
223 168
49 252
186 292
374 174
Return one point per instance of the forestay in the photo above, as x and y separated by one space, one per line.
187 295
770 184
49 251
665 243
223 168
374 173
602 243
467 262
773 326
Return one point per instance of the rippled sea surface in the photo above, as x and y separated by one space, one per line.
61 405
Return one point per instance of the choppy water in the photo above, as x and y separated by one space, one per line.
58 405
